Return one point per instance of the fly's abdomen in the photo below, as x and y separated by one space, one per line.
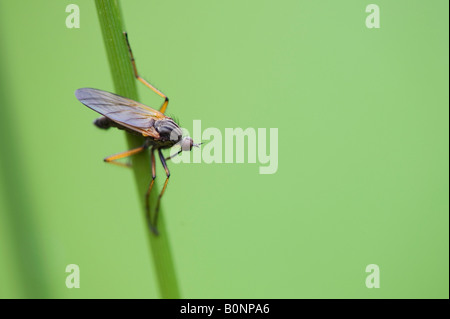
103 123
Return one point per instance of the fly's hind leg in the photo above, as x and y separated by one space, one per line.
113 158
146 83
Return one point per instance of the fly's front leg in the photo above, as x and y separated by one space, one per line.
163 161
151 224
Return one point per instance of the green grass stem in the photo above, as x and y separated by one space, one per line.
125 84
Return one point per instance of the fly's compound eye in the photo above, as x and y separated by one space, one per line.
186 144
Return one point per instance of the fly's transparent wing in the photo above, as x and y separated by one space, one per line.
124 111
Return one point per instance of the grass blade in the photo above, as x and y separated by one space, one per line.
125 84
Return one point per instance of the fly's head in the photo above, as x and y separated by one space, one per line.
186 144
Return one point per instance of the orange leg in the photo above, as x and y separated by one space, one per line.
147 84
113 158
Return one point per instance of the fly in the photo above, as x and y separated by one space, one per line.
159 131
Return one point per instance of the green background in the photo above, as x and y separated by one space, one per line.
362 118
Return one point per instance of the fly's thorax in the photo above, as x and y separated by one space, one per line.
168 130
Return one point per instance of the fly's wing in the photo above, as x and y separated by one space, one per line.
126 112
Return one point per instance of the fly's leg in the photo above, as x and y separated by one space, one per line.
151 224
163 161
113 158
147 84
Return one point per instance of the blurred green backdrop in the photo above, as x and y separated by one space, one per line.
362 116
